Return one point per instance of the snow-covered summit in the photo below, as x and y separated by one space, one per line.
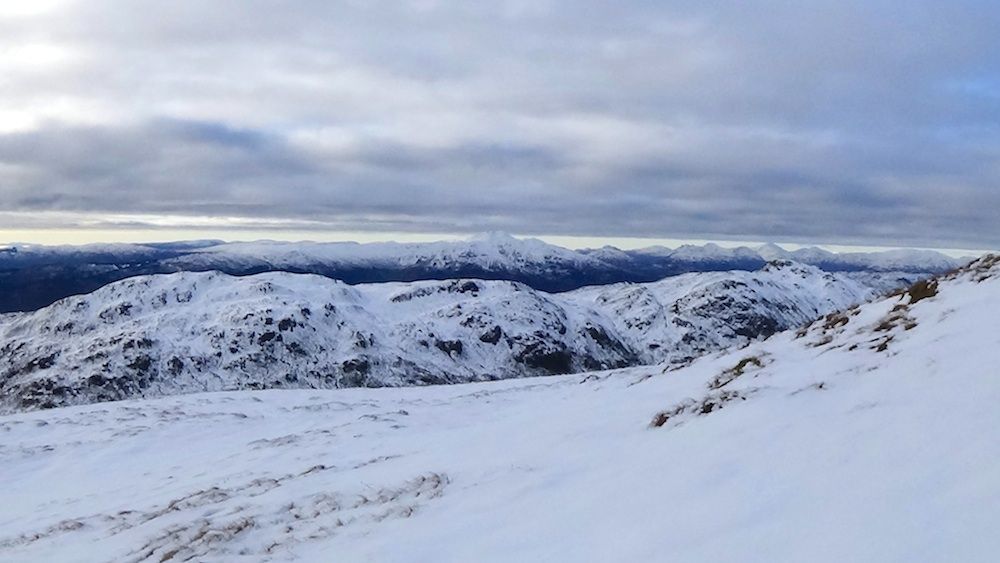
491 251
771 251
913 260
495 237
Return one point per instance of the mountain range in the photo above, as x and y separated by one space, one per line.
34 276
186 332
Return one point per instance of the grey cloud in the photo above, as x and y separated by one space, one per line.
863 122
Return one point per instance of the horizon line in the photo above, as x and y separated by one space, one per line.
83 236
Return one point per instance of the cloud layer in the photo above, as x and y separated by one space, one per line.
868 122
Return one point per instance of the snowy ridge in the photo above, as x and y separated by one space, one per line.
868 436
686 316
187 332
899 260
500 252
493 251
882 261
489 251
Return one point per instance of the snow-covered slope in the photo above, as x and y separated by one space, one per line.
683 317
187 332
869 436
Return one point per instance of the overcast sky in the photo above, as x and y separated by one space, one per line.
864 122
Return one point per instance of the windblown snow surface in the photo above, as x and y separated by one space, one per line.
870 435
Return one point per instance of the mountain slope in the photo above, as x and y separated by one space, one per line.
869 436
187 332
686 316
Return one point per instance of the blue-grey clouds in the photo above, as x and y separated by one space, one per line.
871 122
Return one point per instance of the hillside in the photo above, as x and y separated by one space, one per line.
189 332
868 436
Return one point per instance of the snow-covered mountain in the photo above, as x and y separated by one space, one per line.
870 435
492 251
34 276
185 332
883 261
682 317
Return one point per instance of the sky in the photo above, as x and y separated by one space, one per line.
873 123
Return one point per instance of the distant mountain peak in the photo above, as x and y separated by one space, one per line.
497 237
772 251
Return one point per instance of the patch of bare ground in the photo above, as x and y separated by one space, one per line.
827 327
690 408
735 372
